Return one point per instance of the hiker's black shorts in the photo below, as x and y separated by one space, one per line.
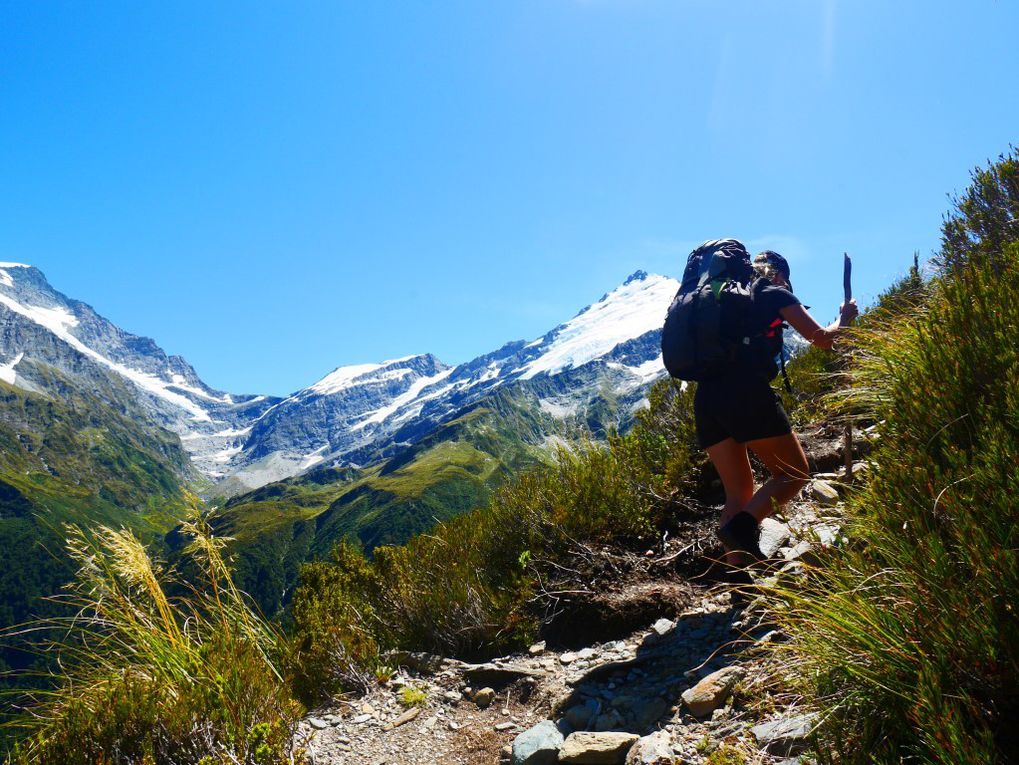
738 406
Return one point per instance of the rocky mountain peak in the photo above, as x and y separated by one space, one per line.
637 276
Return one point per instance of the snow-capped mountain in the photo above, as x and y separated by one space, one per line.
245 441
42 329
363 409
335 416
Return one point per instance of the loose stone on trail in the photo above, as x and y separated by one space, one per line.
655 749
403 719
538 746
786 735
774 534
823 493
662 627
711 692
589 748
484 697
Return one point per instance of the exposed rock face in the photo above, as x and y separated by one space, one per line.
338 415
356 413
42 330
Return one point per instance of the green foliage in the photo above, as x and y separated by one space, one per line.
813 377
452 471
334 623
909 642
468 586
146 678
73 456
726 755
412 697
986 218
903 298
384 673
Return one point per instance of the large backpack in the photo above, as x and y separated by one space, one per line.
706 325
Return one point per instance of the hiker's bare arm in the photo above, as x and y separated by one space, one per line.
822 337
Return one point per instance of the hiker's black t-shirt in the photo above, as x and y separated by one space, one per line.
740 403
765 320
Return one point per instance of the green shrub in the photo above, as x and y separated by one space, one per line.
986 217
814 375
412 697
726 755
150 679
334 624
909 641
471 585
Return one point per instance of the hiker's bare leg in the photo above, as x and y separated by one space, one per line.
785 460
733 465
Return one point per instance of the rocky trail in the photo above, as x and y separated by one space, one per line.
686 683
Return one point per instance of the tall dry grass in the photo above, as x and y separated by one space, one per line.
149 678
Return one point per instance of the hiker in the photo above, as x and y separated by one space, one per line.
735 407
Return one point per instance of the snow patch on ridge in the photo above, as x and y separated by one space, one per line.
313 459
5 278
228 433
403 399
649 371
59 321
7 373
559 410
224 456
344 378
629 311
182 384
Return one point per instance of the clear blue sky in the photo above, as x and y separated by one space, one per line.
275 189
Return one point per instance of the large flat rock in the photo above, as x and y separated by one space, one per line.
601 748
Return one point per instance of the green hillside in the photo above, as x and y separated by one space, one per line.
452 471
81 457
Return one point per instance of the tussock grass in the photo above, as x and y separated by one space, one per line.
150 679
908 642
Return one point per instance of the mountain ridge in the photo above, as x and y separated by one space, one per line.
239 442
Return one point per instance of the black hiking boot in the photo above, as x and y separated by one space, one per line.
742 533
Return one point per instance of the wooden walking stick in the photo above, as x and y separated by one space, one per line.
847 436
